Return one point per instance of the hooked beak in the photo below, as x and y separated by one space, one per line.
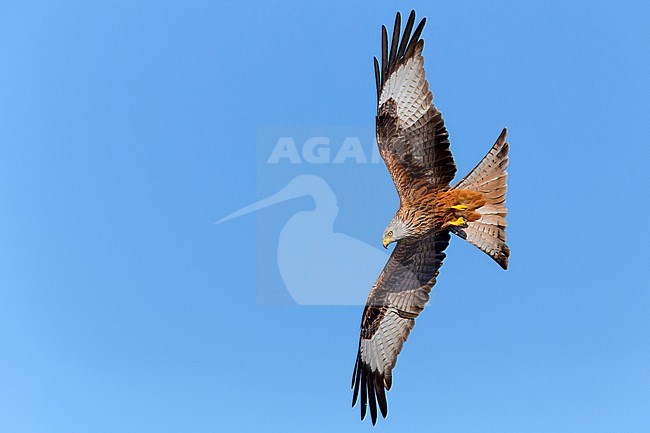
386 241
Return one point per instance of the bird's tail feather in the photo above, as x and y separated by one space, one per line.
490 178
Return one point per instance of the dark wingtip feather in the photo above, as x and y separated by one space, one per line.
377 77
418 30
372 401
415 39
356 380
392 57
364 395
381 394
384 53
406 36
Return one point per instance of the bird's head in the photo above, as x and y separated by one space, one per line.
396 230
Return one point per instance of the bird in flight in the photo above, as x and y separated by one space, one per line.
414 144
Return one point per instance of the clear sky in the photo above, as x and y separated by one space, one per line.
128 128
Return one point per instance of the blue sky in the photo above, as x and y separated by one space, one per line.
128 128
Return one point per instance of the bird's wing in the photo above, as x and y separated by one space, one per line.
396 299
411 133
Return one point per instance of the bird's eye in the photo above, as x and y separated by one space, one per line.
390 233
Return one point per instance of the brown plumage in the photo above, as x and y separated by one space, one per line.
414 144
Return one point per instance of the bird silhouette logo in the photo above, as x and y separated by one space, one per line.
318 265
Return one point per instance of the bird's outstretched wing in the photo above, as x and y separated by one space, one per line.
396 299
411 133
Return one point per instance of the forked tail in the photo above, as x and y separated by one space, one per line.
490 178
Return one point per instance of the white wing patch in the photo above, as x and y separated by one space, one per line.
381 350
408 87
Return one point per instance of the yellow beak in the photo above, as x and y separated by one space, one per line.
386 241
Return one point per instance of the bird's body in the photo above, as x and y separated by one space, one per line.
435 209
414 144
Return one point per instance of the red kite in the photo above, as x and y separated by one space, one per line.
414 144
